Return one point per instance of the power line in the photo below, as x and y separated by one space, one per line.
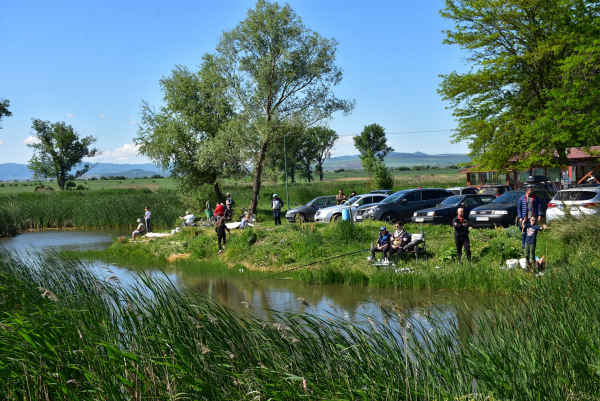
406 133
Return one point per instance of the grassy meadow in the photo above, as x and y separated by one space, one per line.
66 335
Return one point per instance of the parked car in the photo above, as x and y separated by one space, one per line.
577 202
540 182
333 213
386 192
463 190
495 190
401 205
445 212
307 212
503 210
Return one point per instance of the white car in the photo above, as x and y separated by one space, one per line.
574 201
333 213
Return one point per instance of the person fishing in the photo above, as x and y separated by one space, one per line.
382 245
220 228
276 205
139 230
528 206
531 241
147 218
461 234
399 239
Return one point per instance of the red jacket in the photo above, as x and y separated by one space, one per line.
220 210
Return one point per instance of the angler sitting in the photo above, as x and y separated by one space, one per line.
382 244
188 219
400 239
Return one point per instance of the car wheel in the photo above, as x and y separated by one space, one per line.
336 217
447 220
389 218
301 217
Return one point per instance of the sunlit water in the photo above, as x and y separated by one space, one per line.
350 302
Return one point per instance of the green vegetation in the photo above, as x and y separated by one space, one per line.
65 334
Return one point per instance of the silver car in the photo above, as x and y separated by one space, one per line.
574 201
333 213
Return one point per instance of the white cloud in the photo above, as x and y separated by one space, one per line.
133 122
31 140
124 153
69 115
2 142
101 116
345 140
130 116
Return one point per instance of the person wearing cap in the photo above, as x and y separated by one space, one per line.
352 194
461 234
139 230
188 219
276 205
399 239
382 244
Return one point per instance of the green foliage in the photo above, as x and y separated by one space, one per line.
4 112
281 75
70 184
533 82
58 151
372 141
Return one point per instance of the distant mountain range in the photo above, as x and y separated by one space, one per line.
397 159
14 171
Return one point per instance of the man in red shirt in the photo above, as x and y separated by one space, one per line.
461 234
220 210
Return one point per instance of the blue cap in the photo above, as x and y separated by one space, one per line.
382 229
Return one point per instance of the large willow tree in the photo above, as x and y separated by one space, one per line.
281 75
533 89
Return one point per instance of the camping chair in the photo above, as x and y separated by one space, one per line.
416 246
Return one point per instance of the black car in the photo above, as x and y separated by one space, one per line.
401 205
503 210
445 212
307 212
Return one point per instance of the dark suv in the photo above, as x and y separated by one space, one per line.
401 205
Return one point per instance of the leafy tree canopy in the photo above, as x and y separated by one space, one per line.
372 139
4 112
281 75
534 87
59 149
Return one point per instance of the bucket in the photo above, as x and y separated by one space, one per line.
345 214
511 263
523 263
173 231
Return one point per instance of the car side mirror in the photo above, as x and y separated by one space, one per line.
404 200
461 204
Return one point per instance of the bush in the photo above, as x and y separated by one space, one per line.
81 188
70 184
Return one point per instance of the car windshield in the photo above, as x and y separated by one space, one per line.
451 201
353 199
311 202
394 197
509 197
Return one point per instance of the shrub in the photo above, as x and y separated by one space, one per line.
81 188
70 184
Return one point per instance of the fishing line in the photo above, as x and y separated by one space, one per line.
310 264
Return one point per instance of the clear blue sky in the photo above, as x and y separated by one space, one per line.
90 63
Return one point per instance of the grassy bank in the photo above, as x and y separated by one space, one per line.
266 248
65 335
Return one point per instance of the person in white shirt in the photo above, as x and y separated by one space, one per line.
276 205
188 219
147 218
139 230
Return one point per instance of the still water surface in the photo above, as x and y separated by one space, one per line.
351 302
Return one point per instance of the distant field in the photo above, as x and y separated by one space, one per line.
152 184
167 183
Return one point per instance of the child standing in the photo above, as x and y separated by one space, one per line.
220 228
147 218
530 240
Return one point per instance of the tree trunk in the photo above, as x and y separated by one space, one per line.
308 172
256 180
61 180
218 192
320 171
293 174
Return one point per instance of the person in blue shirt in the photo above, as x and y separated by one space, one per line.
529 206
531 240
382 244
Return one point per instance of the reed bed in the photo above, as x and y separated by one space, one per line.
93 209
66 334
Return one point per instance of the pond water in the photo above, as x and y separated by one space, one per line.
348 301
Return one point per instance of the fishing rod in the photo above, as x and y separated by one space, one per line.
310 264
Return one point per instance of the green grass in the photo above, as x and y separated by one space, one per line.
66 335
94 185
